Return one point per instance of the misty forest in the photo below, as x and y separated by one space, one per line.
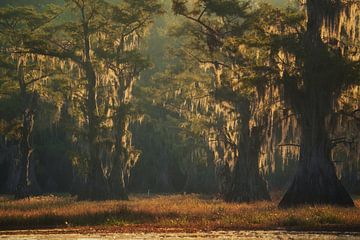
242 101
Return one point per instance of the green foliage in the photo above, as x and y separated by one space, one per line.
227 8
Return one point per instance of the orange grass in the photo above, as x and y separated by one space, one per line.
171 211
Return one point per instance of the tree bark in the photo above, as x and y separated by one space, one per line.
97 187
13 173
97 184
163 181
27 185
315 181
247 184
117 181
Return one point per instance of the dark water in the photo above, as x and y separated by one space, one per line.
209 235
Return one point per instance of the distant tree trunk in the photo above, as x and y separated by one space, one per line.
13 174
27 185
117 181
247 184
96 180
315 181
122 156
223 178
163 181
97 185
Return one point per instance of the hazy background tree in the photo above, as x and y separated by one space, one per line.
24 82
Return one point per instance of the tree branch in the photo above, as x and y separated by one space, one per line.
38 79
289 145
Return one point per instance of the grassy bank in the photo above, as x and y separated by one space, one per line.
174 212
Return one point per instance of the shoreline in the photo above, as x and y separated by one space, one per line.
147 229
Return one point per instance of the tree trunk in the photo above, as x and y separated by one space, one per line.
247 184
117 181
97 188
163 181
23 188
27 185
315 181
13 174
